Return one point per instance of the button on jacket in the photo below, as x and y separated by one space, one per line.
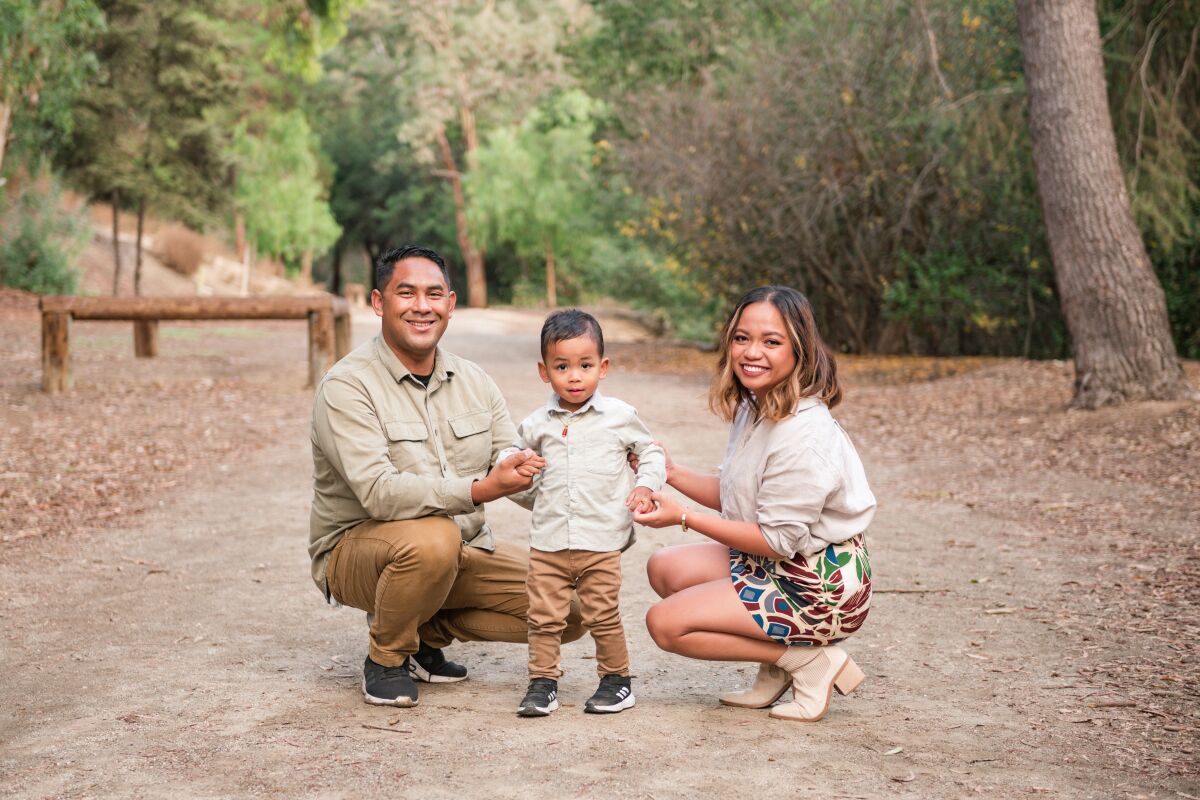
385 447
578 499
799 478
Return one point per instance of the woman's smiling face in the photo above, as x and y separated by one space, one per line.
760 351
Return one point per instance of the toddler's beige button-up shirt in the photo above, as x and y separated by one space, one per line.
578 499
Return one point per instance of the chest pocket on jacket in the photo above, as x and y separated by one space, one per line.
471 450
408 444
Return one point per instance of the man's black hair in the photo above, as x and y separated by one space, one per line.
387 263
570 323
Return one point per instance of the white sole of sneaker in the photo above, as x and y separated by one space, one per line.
399 702
537 711
421 674
628 702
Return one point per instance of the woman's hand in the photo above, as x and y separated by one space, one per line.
666 512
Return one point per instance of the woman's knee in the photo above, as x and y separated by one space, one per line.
658 573
663 627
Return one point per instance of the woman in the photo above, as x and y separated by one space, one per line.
786 576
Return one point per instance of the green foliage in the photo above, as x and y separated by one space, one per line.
533 186
45 60
380 195
299 31
279 188
39 242
146 130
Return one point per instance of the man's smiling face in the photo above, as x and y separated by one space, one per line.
416 305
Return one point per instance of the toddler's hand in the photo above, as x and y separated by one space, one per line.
639 500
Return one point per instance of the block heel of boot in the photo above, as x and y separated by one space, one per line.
848 678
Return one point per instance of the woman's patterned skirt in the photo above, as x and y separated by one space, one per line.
807 600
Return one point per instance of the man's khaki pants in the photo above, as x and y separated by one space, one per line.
422 584
554 578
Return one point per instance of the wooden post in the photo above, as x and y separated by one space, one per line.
320 344
145 338
342 334
56 352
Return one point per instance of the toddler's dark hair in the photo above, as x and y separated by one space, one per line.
570 323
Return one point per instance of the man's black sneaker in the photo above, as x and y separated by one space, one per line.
388 686
614 694
429 665
540 698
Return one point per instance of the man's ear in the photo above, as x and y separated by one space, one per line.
453 302
542 371
377 302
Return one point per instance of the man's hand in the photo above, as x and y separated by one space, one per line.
639 500
513 474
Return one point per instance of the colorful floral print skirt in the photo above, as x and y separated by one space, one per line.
814 600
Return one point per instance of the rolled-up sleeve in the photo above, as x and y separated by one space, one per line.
347 431
652 460
796 484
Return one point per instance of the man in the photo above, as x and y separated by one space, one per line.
405 438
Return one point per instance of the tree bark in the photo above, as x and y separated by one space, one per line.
476 278
137 259
335 268
306 259
116 220
239 235
1114 306
5 117
551 289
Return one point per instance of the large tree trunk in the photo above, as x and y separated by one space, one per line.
335 268
1113 303
476 279
116 219
551 288
137 260
5 118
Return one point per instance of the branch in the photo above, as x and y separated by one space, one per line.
933 50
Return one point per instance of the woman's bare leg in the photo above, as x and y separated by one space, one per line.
708 621
675 568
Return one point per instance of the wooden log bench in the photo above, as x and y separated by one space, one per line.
328 325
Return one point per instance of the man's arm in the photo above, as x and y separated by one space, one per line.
512 471
349 434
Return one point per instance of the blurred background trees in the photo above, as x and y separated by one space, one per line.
670 154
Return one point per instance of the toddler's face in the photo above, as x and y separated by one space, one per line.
573 368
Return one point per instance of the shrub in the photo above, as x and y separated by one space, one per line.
180 248
39 241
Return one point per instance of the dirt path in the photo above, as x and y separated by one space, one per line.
188 654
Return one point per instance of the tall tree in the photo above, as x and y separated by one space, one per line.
1112 301
473 64
145 135
44 61
533 186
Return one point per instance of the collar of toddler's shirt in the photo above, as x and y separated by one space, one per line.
596 402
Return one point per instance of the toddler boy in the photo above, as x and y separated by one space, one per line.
581 506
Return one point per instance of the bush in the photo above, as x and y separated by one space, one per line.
180 248
39 241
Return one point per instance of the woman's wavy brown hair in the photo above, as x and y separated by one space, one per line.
816 369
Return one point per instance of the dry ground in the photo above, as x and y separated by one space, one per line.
1035 630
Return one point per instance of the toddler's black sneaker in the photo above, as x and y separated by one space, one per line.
614 694
540 698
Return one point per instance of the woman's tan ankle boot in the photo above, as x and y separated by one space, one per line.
814 677
769 685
